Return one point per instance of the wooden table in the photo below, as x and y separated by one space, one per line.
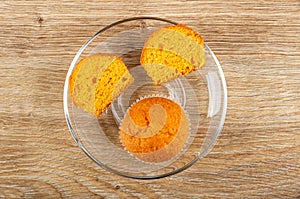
258 152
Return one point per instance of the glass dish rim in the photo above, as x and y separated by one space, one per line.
72 130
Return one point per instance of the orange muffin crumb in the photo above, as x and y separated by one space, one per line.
97 81
154 129
172 51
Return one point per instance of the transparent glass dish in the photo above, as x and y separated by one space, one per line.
202 94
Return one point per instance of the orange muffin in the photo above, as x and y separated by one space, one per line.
97 81
154 129
172 51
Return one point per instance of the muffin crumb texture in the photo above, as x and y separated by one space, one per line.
171 52
97 81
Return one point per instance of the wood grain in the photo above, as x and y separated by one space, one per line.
258 152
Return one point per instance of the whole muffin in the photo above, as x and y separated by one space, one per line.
154 129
